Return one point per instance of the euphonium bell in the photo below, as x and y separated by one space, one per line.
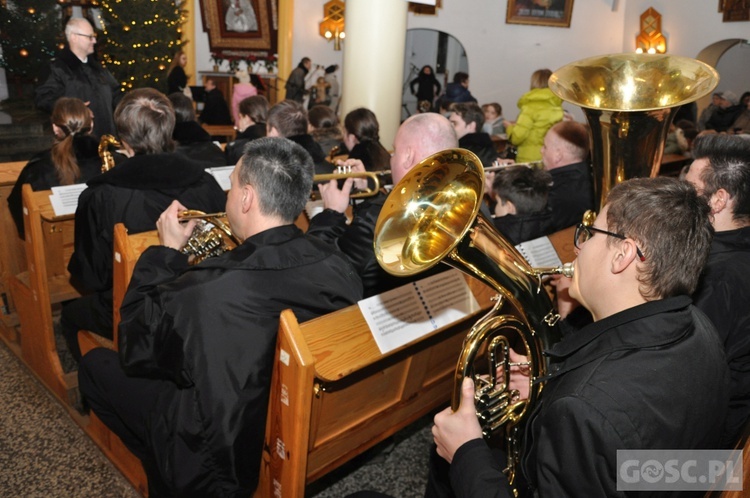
629 101
431 216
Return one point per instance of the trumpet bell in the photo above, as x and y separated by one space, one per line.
629 101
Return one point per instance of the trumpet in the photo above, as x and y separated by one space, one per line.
344 172
496 166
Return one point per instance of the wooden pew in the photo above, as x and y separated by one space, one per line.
221 131
49 245
12 253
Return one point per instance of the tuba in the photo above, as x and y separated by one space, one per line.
211 236
108 161
629 101
432 216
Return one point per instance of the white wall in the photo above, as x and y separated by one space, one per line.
503 56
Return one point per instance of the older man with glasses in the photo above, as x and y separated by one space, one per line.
76 72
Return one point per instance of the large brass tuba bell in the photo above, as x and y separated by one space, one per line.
432 216
629 101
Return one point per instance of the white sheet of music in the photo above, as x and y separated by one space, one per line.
401 315
539 252
64 199
222 173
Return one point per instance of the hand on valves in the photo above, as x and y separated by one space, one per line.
174 233
338 198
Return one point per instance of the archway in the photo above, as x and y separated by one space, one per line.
428 47
731 58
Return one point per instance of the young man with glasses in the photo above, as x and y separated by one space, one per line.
648 373
721 174
76 72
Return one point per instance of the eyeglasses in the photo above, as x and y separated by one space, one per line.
90 37
584 233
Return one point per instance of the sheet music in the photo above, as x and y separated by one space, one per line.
222 173
64 199
314 207
401 315
539 252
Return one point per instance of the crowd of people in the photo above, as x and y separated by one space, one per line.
657 339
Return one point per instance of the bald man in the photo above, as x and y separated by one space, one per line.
418 137
75 72
565 155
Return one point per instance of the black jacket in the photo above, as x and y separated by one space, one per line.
41 174
235 149
90 82
215 109
723 294
723 117
211 330
322 165
650 377
135 193
572 193
195 142
373 155
176 80
480 144
295 85
520 228
427 87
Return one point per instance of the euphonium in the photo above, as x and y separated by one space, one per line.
432 216
629 101
108 161
210 237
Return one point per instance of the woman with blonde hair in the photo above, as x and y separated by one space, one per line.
539 110
73 158
177 80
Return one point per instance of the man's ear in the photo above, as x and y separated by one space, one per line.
719 201
248 198
625 254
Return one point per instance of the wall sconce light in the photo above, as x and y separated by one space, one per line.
650 39
332 26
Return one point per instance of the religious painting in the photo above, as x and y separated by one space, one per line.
540 12
241 26
735 10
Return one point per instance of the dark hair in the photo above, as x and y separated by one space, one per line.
460 77
498 108
288 117
281 172
145 120
255 107
175 60
575 135
427 66
670 224
729 169
183 107
527 188
73 118
322 116
470 112
363 124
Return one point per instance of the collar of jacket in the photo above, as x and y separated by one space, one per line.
310 145
73 62
260 252
152 172
603 337
189 132
731 241
582 167
479 139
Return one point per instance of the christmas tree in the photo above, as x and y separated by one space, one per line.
30 34
140 38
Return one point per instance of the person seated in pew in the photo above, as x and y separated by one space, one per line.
362 138
192 140
215 109
648 373
521 211
135 193
251 125
721 173
188 393
417 138
565 155
288 119
73 158
325 128
468 119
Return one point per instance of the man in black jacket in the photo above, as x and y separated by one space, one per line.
565 156
468 119
189 392
721 173
76 73
295 84
418 137
135 192
288 119
648 373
